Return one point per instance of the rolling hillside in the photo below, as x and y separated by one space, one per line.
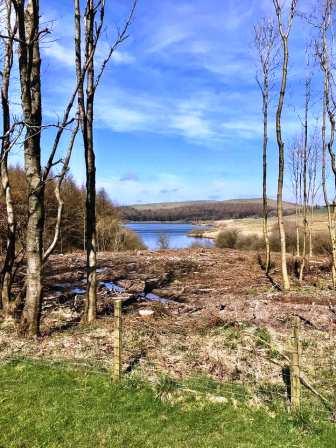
200 210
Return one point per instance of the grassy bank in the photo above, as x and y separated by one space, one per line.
254 226
58 406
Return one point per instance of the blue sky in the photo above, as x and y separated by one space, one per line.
178 113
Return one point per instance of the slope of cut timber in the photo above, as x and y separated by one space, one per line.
186 312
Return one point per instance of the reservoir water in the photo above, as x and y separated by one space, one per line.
175 235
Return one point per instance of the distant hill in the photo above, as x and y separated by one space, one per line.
200 210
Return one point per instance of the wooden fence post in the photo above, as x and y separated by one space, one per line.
295 365
117 339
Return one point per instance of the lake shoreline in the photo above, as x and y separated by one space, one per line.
173 235
194 223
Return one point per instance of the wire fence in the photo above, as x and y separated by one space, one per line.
300 371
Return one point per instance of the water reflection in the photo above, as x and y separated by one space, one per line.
174 235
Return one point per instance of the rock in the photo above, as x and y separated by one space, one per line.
146 312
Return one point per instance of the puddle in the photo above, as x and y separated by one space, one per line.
154 298
112 287
78 291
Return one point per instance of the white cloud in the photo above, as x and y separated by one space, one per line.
192 126
65 54
60 53
167 186
219 104
122 57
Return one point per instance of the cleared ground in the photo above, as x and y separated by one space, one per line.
221 318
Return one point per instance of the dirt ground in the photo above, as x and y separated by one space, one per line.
220 316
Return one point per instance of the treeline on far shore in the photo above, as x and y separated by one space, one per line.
202 212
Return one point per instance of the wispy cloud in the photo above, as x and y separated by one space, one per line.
165 186
60 53
185 76
129 177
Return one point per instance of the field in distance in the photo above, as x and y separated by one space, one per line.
254 226
165 205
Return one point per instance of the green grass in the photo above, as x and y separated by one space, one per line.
52 406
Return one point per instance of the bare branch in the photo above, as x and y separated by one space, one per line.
58 194
122 36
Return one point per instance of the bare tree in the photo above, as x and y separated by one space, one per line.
6 278
305 155
295 169
324 53
94 20
284 34
28 39
29 33
58 193
265 43
314 185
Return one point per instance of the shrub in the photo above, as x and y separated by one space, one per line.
321 243
250 242
111 236
231 239
290 230
320 240
227 239
131 241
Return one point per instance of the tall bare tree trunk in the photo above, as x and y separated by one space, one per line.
91 235
29 66
284 39
6 278
265 204
331 226
305 194
325 65
265 40
86 119
86 72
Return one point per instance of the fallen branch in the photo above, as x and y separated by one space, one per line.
310 387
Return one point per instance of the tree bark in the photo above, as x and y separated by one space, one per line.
265 204
29 67
281 165
325 65
86 71
86 119
265 42
305 195
6 278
